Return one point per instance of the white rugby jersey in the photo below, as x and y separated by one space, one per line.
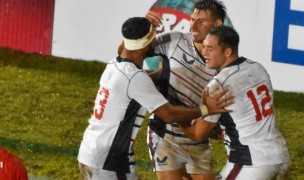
251 133
117 116
183 78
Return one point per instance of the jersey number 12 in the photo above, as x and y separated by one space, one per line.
264 101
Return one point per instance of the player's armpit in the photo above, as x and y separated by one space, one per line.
217 132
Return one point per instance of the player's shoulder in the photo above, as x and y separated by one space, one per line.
219 80
237 66
170 36
255 67
124 68
252 63
215 86
169 33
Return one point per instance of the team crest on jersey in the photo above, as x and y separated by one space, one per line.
162 162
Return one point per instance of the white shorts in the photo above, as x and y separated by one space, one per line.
166 156
235 171
90 173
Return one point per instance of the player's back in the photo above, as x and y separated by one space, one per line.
251 128
112 98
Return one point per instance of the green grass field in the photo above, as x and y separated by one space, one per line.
46 102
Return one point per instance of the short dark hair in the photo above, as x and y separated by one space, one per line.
217 8
227 37
135 28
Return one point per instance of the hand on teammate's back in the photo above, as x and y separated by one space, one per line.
217 103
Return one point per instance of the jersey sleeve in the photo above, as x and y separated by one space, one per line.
214 88
143 90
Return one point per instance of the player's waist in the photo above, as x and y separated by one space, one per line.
175 134
170 131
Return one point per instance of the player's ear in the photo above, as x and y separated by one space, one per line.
218 22
228 52
120 48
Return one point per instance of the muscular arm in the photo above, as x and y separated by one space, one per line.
199 130
184 115
178 114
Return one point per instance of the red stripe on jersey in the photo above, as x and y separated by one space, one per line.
234 172
196 88
200 69
187 102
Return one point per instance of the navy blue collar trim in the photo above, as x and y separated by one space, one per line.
120 59
239 61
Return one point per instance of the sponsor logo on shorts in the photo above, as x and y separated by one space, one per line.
219 177
162 162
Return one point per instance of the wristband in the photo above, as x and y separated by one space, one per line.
204 110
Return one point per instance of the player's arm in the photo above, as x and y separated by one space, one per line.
154 17
184 115
199 130
178 114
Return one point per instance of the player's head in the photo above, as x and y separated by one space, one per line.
217 8
221 47
138 34
206 15
227 37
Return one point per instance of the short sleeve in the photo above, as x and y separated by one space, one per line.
214 88
143 90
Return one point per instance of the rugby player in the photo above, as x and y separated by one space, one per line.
255 147
184 75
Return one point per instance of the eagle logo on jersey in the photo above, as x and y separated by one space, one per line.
188 61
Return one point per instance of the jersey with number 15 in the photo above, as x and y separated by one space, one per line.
251 134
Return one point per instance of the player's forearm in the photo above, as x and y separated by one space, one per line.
199 130
191 133
178 114
182 114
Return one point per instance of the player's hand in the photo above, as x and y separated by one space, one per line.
218 102
154 17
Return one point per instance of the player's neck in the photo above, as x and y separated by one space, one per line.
198 46
230 60
134 56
